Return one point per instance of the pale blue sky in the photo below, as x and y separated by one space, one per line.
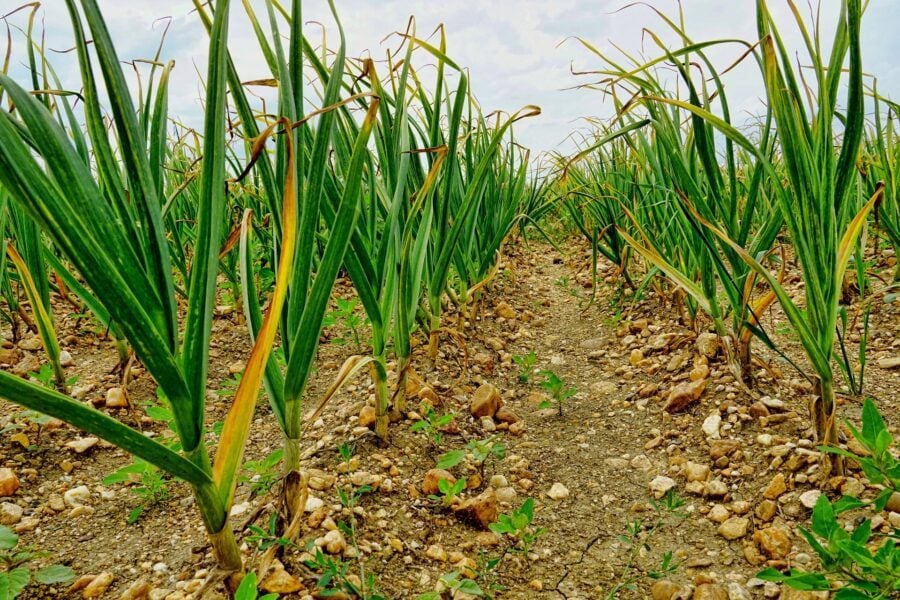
518 52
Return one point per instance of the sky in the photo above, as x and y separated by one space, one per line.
517 52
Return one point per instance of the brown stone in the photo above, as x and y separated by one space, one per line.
774 542
766 510
758 410
116 398
426 394
9 483
710 591
684 394
792 594
367 416
432 477
664 590
696 471
481 510
700 371
753 555
734 528
504 415
893 503
721 448
280 581
486 401
776 487
505 310
139 590
487 539
97 586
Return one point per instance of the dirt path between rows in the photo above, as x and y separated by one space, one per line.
742 471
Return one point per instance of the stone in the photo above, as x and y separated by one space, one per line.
506 494
773 404
664 590
676 362
809 498
116 398
366 417
776 487
436 552
31 344
738 592
98 585
432 477
82 445
766 510
710 591
893 503
696 471
505 311
280 581
718 514
9 483
487 539
635 357
334 542
660 485
604 388
758 410
711 426
481 510
558 491
56 503
700 371
486 401
641 463
321 480
734 528
707 344
774 542
720 448
792 594
891 362
65 358
313 504
10 513
77 496
684 394
504 415
716 488
139 590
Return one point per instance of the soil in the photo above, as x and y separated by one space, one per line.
610 441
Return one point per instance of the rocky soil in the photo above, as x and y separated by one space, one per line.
659 477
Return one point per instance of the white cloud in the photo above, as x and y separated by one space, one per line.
518 51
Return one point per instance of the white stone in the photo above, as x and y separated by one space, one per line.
77 496
711 426
661 484
558 491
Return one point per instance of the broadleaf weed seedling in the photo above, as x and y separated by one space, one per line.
526 365
264 539
149 485
517 525
432 423
263 473
448 491
482 451
557 389
636 539
16 574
